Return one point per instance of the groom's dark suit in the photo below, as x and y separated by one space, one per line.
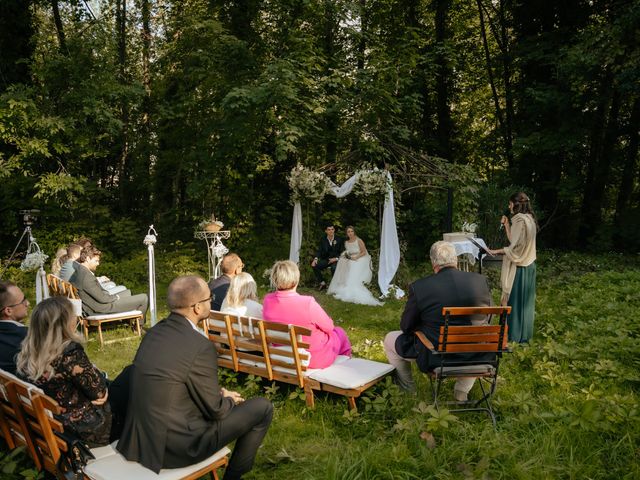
326 250
177 415
423 310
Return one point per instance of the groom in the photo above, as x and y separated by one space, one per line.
328 253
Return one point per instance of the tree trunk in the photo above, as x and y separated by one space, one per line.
443 77
604 133
59 28
629 172
332 119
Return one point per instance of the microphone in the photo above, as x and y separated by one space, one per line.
506 213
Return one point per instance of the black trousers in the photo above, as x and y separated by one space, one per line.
248 422
321 265
119 401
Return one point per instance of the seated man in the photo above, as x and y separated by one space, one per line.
327 255
231 266
14 307
96 301
178 414
69 260
449 287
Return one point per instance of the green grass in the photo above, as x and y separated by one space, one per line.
567 404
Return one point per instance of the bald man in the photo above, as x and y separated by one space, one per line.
231 266
178 415
14 308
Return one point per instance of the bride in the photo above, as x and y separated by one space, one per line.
352 272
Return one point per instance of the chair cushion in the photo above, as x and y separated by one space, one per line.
116 467
350 373
111 316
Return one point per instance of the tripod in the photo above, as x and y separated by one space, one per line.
30 240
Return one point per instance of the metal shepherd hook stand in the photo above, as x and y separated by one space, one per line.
34 257
150 241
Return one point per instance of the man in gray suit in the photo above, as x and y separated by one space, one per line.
95 300
449 287
178 414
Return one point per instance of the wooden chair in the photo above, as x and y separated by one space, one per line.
40 413
490 340
14 424
277 352
57 286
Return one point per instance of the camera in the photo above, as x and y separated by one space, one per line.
29 217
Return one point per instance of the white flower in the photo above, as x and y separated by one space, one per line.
308 184
372 182
33 260
469 227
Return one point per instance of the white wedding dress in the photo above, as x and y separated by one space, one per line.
351 275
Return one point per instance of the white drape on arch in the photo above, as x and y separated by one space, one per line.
389 244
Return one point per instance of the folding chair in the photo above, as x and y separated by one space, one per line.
473 341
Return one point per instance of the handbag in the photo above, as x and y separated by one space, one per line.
71 462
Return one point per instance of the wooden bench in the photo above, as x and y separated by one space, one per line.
12 420
278 352
469 339
57 286
38 413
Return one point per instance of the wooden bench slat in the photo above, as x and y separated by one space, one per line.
471 338
455 311
465 329
470 347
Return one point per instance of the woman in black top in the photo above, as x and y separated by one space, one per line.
53 359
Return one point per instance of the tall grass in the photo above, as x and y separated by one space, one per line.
567 403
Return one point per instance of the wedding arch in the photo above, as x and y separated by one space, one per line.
312 185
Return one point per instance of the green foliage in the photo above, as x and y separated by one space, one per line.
12 463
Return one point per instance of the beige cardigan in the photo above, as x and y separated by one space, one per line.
521 252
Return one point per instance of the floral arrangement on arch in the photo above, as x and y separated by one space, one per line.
372 183
308 184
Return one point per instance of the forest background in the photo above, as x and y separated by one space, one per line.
117 114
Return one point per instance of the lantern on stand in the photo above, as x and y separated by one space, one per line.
150 241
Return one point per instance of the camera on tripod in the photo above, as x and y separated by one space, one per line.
29 217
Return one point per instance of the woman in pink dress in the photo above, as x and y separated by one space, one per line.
287 306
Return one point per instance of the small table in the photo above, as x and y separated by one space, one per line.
215 249
469 252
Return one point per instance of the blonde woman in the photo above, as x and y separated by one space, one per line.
242 297
287 306
53 359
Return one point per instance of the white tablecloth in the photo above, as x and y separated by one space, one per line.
468 249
